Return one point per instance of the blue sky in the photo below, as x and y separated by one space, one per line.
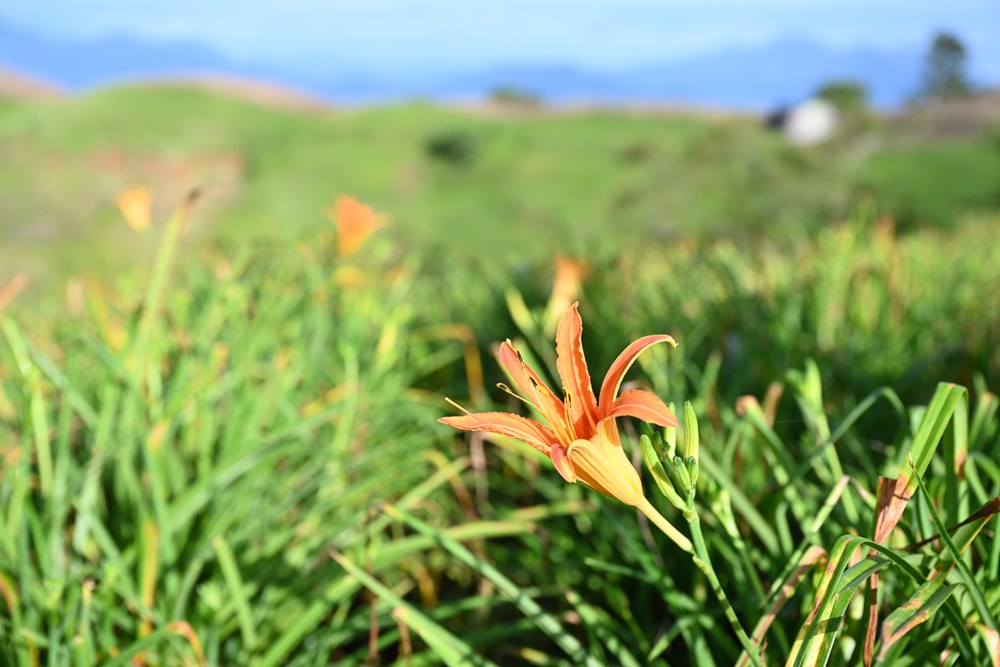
420 35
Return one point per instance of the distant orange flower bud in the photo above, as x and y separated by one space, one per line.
569 277
355 222
135 205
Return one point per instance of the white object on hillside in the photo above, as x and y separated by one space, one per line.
810 123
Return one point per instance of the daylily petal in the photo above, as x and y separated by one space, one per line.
572 366
512 362
642 405
562 463
613 380
504 423
532 386
609 429
605 467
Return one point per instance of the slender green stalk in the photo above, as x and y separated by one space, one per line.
704 563
157 290
699 553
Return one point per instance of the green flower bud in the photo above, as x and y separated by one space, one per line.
682 474
660 476
690 446
691 463
670 434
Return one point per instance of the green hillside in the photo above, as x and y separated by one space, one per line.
513 183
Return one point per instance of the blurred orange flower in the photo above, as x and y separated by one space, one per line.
570 273
135 205
355 222
10 290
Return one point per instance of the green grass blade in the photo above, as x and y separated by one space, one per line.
814 645
929 433
234 582
918 609
784 590
156 291
449 648
529 607
760 526
592 619
953 555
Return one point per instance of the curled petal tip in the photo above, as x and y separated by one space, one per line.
613 380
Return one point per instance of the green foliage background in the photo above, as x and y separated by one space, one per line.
220 445
587 182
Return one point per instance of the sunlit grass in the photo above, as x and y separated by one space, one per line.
235 458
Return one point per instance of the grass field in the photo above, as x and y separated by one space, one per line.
586 183
218 441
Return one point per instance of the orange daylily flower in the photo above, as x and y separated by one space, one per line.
355 223
570 273
581 437
135 205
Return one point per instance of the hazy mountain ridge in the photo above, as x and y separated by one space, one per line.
783 71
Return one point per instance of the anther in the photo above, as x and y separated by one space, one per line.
567 397
505 388
538 388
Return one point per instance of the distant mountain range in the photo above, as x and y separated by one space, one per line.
781 72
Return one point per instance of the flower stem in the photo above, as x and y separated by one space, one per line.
704 563
668 529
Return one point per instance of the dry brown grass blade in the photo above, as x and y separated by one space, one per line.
888 511
992 641
771 399
469 507
405 643
812 556
892 499
185 630
8 593
989 509
868 652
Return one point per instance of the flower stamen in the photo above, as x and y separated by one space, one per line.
502 387
568 413
453 403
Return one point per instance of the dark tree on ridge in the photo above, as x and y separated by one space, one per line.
944 68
